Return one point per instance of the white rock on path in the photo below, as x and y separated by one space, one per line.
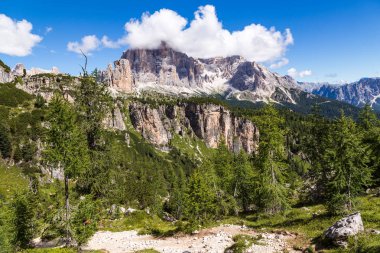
345 227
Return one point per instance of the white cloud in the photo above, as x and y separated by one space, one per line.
16 37
106 42
48 29
204 37
88 44
294 73
281 63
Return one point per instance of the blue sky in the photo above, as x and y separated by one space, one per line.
334 40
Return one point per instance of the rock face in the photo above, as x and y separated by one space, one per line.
19 70
347 226
44 84
5 75
211 123
165 70
119 77
116 119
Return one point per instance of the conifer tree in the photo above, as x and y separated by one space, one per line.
271 192
93 103
348 168
23 221
243 180
67 147
200 198
316 143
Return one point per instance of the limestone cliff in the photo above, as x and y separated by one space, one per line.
209 122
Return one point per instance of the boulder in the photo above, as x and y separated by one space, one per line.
345 227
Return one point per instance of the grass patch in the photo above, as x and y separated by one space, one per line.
11 181
147 251
140 221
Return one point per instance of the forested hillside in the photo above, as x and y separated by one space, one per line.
66 173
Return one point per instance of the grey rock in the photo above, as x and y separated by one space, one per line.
345 227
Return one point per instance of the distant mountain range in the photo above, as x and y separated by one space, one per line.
359 93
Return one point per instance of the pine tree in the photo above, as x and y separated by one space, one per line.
93 103
369 125
67 147
271 193
316 142
348 168
200 198
243 180
23 221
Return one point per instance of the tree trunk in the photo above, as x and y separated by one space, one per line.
67 205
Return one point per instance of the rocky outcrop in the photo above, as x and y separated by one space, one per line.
19 70
345 227
116 119
45 84
209 122
5 75
119 77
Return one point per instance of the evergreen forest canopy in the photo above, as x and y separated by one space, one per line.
301 160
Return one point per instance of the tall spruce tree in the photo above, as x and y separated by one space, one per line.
200 198
316 143
271 193
66 147
93 103
243 181
347 160
369 125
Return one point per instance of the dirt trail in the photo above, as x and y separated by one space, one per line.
212 240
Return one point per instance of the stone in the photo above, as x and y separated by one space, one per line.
345 227
129 211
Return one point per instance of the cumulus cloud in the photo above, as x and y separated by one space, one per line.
17 38
281 63
204 37
106 42
87 45
295 73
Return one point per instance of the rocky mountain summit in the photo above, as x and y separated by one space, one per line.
359 93
165 70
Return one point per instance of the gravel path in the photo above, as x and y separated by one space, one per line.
213 240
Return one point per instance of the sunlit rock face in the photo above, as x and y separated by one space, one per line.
211 123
